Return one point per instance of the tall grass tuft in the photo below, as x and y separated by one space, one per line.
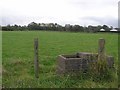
99 70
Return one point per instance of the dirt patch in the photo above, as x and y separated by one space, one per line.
17 62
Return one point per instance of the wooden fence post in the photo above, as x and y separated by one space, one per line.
101 49
36 63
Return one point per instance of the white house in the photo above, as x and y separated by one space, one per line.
113 30
102 29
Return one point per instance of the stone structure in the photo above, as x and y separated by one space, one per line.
79 62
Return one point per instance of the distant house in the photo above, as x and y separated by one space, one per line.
113 30
117 29
102 30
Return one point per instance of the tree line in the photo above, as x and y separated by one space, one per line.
55 27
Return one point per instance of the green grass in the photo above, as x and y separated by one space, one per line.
18 58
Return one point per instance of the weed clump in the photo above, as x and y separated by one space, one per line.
100 70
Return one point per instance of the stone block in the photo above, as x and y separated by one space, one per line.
78 62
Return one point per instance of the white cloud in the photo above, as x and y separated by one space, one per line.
59 11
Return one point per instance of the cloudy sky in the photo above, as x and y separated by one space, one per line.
82 12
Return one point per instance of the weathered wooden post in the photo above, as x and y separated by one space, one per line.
102 62
101 49
36 63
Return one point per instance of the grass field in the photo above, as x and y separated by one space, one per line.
18 58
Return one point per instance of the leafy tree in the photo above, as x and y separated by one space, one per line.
106 28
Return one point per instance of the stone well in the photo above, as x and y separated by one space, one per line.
79 62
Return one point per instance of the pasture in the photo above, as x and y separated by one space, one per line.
18 58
